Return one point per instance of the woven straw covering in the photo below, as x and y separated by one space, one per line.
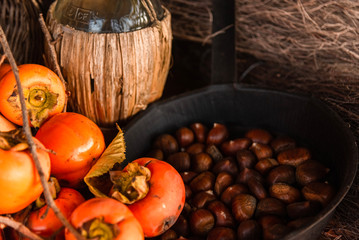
19 19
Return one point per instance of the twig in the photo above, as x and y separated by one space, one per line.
28 134
54 60
2 59
19 227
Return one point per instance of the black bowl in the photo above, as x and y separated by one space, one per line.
306 119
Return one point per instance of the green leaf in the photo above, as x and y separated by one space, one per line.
98 178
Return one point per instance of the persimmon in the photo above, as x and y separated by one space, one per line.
19 180
158 208
76 141
4 68
6 125
105 219
44 93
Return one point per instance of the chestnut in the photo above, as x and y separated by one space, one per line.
318 191
281 174
243 206
231 147
246 174
221 233
201 162
203 182
261 150
184 136
245 159
310 171
266 221
285 192
300 222
276 231
270 206
201 221
217 134
226 165
155 153
200 132
181 226
282 143
232 191
188 176
222 214
181 161
257 188
294 156
188 191
249 230
259 135
201 199
195 148
303 209
264 165
167 143
169 235
215 153
223 180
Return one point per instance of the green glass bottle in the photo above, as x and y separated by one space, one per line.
106 16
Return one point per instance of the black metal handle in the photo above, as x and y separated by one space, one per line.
223 44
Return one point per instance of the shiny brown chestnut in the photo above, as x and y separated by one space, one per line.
266 221
230 192
201 199
221 233
201 221
294 156
231 147
249 230
181 161
203 182
195 148
245 159
167 143
217 134
275 232
285 192
200 132
270 206
264 165
243 206
201 162
156 153
261 150
281 174
223 180
257 188
188 191
214 152
221 213
303 209
228 164
169 235
184 136
282 143
300 222
188 176
259 135
181 226
310 171
246 174
318 191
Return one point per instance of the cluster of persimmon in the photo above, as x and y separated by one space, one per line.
144 199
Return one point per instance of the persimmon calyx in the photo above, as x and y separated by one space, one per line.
14 140
130 185
98 229
39 102
54 187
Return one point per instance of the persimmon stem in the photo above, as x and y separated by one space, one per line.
54 61
28 134
19 227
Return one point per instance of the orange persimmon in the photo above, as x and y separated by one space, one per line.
6 125
44 94
76 141
4 68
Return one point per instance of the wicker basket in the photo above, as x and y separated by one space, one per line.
19 20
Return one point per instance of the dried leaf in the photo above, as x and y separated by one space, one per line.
98 178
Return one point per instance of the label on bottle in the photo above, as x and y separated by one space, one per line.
80 15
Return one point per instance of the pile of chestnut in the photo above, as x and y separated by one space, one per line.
254 186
